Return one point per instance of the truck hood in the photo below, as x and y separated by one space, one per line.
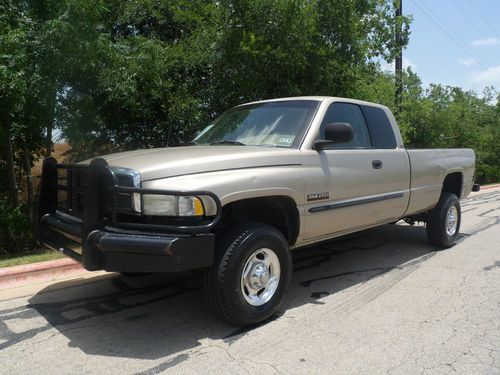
176 161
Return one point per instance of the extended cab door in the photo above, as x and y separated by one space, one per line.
357 184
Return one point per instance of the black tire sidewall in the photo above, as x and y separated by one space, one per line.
261 236
437 223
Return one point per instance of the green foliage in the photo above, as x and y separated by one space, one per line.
159 70
286 48
32 256
443 117
16 231
140 82
447 117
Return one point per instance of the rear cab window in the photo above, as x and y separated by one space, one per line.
379 125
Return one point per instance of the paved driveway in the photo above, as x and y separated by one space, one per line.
383 301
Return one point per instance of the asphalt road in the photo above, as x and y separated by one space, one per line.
383 301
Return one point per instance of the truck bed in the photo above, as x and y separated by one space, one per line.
429 167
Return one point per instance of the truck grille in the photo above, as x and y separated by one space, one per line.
72 182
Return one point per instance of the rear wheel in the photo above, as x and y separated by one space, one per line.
250 276
443 222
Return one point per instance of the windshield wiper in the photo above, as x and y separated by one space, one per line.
226 142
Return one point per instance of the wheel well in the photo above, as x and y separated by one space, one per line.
278 211
453 184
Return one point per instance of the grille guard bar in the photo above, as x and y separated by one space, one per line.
98 192
96 226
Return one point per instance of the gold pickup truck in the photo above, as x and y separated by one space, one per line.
261 180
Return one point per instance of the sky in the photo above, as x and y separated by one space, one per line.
455 42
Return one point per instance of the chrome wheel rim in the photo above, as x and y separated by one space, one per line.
451 221
260 277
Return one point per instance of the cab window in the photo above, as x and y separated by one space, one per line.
352 114
380 127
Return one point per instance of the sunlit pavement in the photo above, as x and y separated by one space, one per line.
383 301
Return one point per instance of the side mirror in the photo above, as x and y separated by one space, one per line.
335 133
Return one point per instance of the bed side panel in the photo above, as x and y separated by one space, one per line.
429 167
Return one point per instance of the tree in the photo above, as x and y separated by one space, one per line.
14 27
285 48
143 76
159 70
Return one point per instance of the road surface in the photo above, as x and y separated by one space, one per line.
380 302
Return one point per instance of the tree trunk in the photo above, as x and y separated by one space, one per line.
50 122
11 173
29 178
48 150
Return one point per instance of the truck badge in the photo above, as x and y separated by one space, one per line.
318 196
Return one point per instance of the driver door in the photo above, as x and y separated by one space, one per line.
353 185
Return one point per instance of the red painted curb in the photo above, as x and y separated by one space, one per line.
489 187
38 272
34 267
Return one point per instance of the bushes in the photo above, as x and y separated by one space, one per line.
487 174
16 230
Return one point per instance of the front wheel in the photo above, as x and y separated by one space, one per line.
443 222
250 276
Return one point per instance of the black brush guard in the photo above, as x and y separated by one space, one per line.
80 219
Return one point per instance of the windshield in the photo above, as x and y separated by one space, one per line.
277 124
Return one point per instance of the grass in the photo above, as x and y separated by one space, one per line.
27 258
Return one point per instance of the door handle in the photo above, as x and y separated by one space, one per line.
377 164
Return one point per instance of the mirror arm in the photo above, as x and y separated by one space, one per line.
320 144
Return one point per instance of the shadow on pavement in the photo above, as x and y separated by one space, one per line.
156 316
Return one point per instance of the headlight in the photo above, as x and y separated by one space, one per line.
170 205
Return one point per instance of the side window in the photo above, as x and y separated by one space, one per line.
380 127
350 113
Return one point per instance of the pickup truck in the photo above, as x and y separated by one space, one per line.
262 179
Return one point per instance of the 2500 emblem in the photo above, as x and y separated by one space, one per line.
317 196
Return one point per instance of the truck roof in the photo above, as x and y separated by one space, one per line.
317 98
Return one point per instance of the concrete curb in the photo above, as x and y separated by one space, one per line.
38 272
489 186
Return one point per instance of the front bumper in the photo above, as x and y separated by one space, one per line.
127 252
94 241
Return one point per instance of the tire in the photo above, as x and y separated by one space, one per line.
246 248
443 222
